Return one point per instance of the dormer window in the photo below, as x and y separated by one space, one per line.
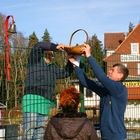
120 41
134 48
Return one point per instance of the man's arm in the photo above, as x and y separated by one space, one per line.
83 79
113 86
88 83
38 51
109 84
46 46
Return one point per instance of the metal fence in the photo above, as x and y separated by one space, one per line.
11 93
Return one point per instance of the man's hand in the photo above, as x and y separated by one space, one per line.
87 50
61 46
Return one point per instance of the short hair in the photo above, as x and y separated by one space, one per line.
69 99
123 70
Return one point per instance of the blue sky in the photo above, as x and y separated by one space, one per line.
63 17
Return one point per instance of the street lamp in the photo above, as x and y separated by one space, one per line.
9 29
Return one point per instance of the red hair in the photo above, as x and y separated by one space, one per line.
70 98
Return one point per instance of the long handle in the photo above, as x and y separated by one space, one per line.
76 32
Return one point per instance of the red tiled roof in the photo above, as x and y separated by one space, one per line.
113 40
135 31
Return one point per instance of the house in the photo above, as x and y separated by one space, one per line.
125 48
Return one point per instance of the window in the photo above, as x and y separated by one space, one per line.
134 48
138 68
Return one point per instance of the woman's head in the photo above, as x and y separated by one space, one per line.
69 99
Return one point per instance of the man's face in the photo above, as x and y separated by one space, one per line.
50 55
115 74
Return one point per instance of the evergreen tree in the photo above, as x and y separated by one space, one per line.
46 37
131 26
32 40
97 52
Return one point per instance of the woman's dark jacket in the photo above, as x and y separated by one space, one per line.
41 77
73 127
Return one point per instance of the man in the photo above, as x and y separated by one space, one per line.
113 95
39 96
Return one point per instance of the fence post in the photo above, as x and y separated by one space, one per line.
82 109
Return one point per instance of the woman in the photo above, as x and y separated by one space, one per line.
70 124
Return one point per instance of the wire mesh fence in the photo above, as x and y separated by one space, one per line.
11 93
